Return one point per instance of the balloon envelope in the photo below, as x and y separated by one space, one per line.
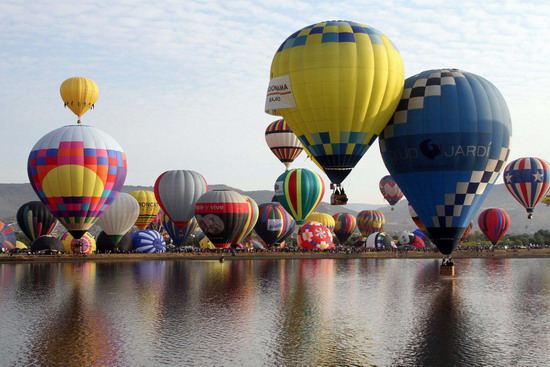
336 84
178 236
105 243
344 226
314 235
299 191
222 216
494 223
389 189
148 241
177 193
7 236
120 217
273 222
77 171
282 142
35 220
47 243
379 240
528 180
79 94
84 245
253 213
445 146
148 207
369 221
325 219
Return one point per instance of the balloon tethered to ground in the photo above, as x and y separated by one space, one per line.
336 84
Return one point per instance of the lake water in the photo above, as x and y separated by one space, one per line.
317 312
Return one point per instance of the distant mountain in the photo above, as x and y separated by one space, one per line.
12 196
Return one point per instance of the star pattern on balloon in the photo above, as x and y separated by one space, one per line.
538 176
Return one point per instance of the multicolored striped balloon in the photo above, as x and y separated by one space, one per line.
528 180
253 213
84 245
314 235
222 216
148 207
389 189
379 240
148 241
345 224
417 220
299 191
35 220
156 223
467 232
369 221
7 236
282 142
494 223
273 222
77 171
178 236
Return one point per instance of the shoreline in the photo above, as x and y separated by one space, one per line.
25 259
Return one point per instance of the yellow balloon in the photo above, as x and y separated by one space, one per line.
79 94
546 199
206 243
148 207
336 84
325 219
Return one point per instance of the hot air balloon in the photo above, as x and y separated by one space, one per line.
379 241
325 219
417 220
314 235
77 171
79 94
120 217
254 241
148 207
222 216
344 226
389 189
336 84
299 191
178 236
45 243
104 243
156 223
282 142
148 241
466 232
408 238
254 212
445 146
546 199
7 236
273 223
369 221
177 193
35 220
494 223
528 180
84 245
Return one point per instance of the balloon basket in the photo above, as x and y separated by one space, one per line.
447 270
339 199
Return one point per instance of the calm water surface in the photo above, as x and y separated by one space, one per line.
379 312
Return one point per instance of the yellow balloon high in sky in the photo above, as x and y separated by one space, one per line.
336 84
79 94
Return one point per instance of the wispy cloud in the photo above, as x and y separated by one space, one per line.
183 83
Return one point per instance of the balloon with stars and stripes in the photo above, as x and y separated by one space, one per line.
528 180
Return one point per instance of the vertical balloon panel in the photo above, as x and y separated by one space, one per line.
445 146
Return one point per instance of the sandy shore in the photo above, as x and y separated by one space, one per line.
270 255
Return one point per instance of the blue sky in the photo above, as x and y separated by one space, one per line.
182 83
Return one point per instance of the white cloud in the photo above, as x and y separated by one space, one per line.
182 83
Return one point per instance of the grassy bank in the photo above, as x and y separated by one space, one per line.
270 255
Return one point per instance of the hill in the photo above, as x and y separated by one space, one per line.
12 196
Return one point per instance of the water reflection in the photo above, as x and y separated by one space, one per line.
276 312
